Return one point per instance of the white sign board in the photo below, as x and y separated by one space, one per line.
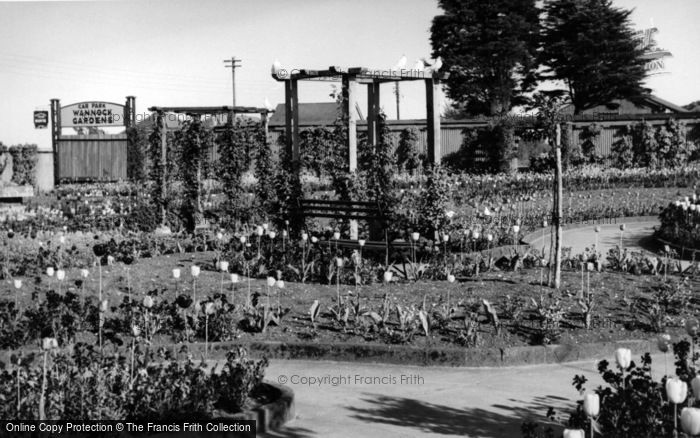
84 114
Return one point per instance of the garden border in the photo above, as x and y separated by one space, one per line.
407 355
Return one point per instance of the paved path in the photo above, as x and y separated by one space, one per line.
437 402
637 236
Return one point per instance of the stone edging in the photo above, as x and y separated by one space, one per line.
407 355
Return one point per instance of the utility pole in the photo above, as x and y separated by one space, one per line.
233 63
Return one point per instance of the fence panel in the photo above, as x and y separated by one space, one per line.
100 157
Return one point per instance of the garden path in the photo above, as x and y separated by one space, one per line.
439 401
637 237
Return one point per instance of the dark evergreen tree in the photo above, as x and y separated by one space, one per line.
489 48
589 45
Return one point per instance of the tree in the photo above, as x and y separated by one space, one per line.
589 45
489 48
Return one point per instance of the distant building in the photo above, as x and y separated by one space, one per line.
648 104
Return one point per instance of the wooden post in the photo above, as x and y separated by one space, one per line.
558 209
163 163
433 120
291 107
350 110
55 137
372 112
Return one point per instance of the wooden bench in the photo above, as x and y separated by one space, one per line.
353 210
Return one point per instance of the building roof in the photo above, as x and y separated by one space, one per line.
665 103
644 104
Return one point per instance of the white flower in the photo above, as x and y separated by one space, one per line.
336 235
224 266
220 235
516 229
361 242
209 308
62 239
489 237
487 212
104 306
18 283
265 226
234 278
449 214
49 344
60 274
280 284
339 262
271 281
690 420
451 278
49 271
148 302
475 235
259 231
135 331
676 390
176 273
415 236
388 275
314 239
84 273
304 237
591 405
242 239
574 433
445 237
623 357
110 260
194 270
272 235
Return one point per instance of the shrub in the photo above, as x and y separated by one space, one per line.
407 157
24 160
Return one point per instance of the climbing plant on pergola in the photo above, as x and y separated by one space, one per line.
352 79
195 113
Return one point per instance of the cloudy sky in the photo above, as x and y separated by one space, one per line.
171 52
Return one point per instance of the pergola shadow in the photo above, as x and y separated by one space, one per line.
420 417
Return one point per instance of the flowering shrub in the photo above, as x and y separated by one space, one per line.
91 386
679 223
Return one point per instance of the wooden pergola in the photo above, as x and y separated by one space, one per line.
197 111
351 79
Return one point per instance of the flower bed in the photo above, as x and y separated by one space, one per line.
679 223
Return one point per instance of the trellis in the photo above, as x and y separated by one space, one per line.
351 79
195 111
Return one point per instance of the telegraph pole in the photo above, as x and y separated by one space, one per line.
233 63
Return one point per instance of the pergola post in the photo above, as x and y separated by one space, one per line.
432 88
291 107
373 113
349 104
163 163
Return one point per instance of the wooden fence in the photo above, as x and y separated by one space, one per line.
92 157
452 131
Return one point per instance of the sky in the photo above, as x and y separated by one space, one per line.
171 53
